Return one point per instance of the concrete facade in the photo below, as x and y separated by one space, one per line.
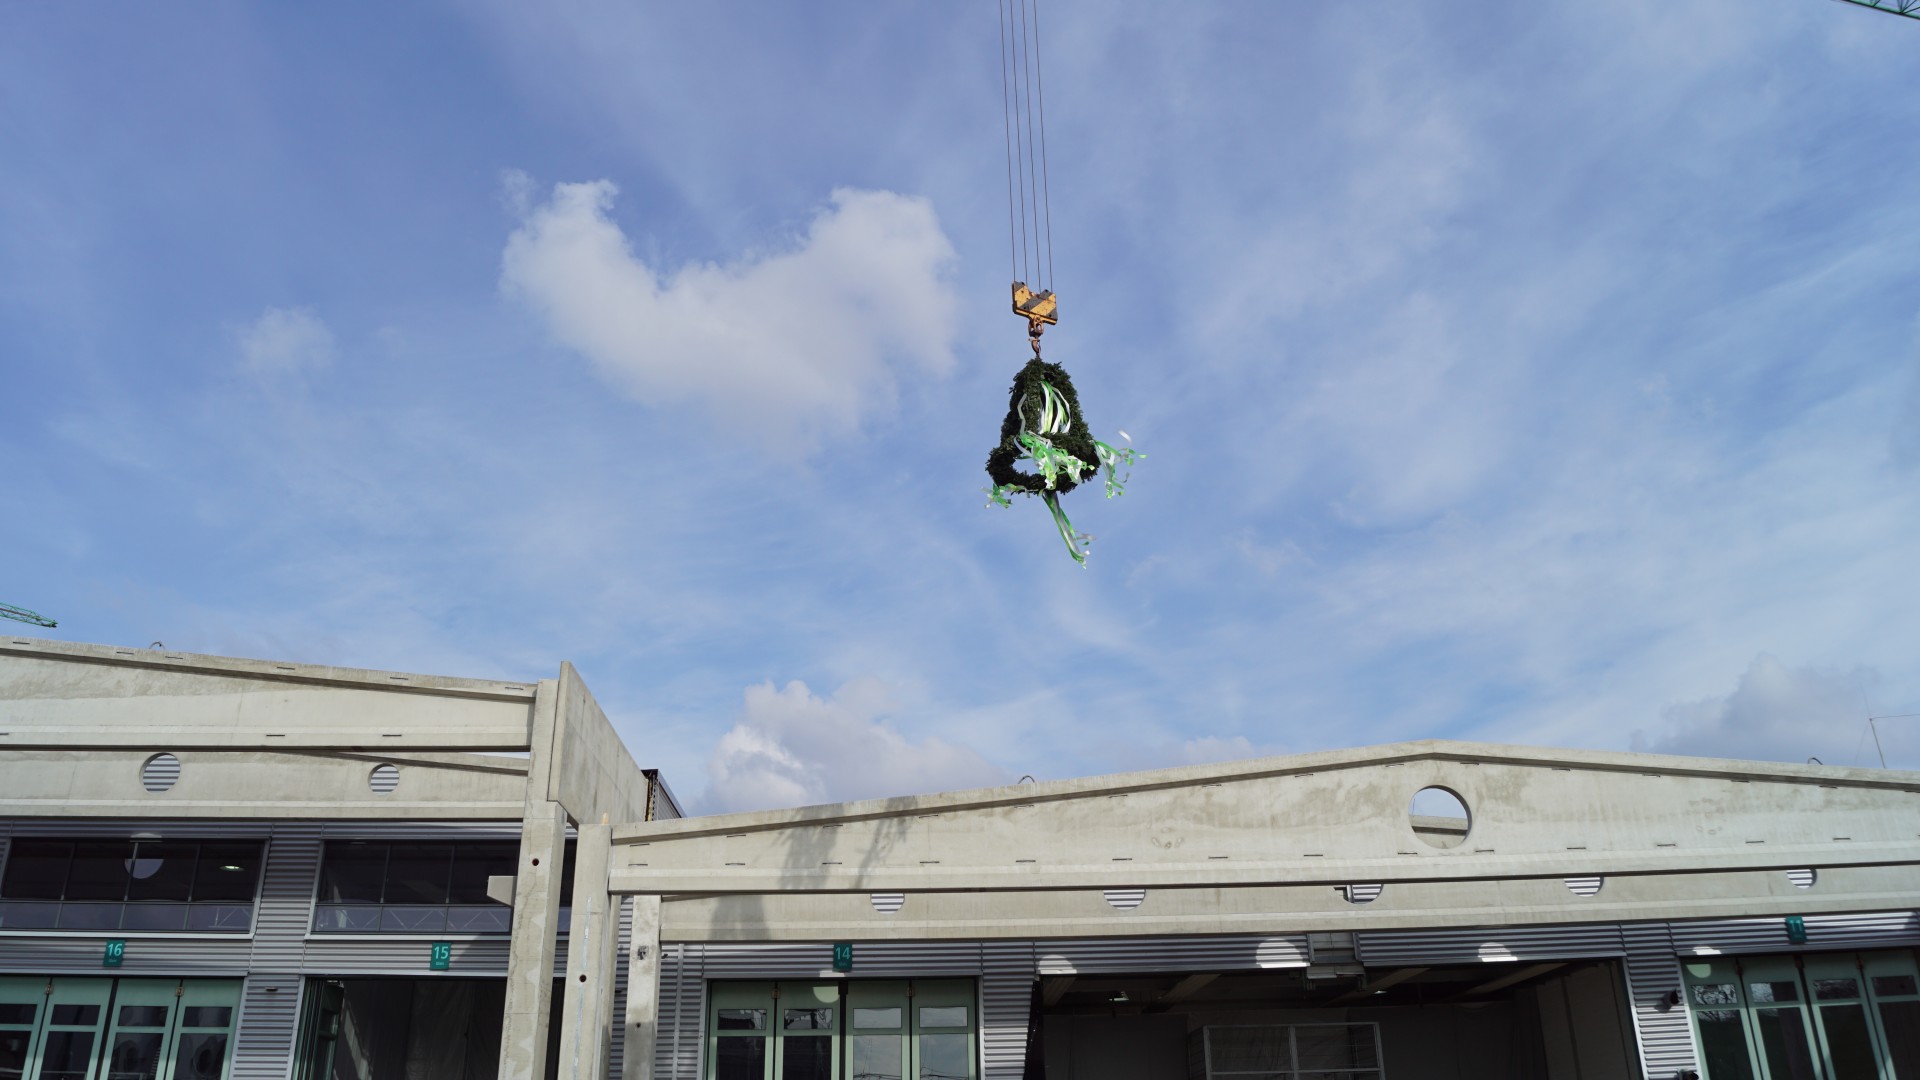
1577 920
290 755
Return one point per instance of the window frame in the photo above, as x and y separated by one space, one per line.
387 919
258 849
1804 969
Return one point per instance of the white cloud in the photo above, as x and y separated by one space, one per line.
800 340
284 343
791 748
1776 713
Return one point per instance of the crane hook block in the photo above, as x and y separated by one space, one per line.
1035 307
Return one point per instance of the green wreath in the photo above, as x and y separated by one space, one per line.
1044 426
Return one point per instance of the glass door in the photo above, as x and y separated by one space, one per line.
203 1030
1839 1016
806 1044
1781 1027
21 998
1840 1012
70 1035
139 1029
320 1031
739 1017
943 1029
1894 986
1714 1000
877 1025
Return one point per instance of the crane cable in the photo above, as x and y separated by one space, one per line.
1023 102
1043 425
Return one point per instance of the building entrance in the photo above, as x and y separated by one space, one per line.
116 1029
1839 1016
857 1029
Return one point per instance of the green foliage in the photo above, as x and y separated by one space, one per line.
1044 426
1039 429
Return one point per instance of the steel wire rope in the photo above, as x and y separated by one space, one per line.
1046 191
1032 157
1019 124
1006 127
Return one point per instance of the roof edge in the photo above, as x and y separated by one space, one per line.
1290 764
275 670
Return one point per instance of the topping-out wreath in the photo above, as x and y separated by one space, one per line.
1044 427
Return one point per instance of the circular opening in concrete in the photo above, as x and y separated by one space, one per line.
1803 879
1585 886
383 779
1125 899
160 772
1439 817
1361 894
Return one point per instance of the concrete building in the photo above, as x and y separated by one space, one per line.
214 867
1409 911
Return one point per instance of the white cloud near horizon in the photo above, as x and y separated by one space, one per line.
800 340
1776 713
793 748
285 343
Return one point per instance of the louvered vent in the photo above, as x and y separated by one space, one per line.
1361 894
886 903
383 779
1126 899
160 772
1584 886
1803 879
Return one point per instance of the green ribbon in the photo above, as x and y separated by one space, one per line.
1052 462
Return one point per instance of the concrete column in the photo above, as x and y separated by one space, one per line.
586 1034
643 990
536 917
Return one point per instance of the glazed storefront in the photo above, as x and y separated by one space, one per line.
64 1028
861 1029
1833 1016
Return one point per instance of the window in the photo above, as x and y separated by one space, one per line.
1294 1052
68 1028
867 1029
1811 1015
131 885
418 887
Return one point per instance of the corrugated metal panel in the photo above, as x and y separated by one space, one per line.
1400 947
1138 955
683 987
1007 971
270 1005
80 955
425 830
1663 1032
369 956
285 909
1874 930
269 1016
616 1052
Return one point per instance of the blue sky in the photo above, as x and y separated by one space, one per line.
1507 371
